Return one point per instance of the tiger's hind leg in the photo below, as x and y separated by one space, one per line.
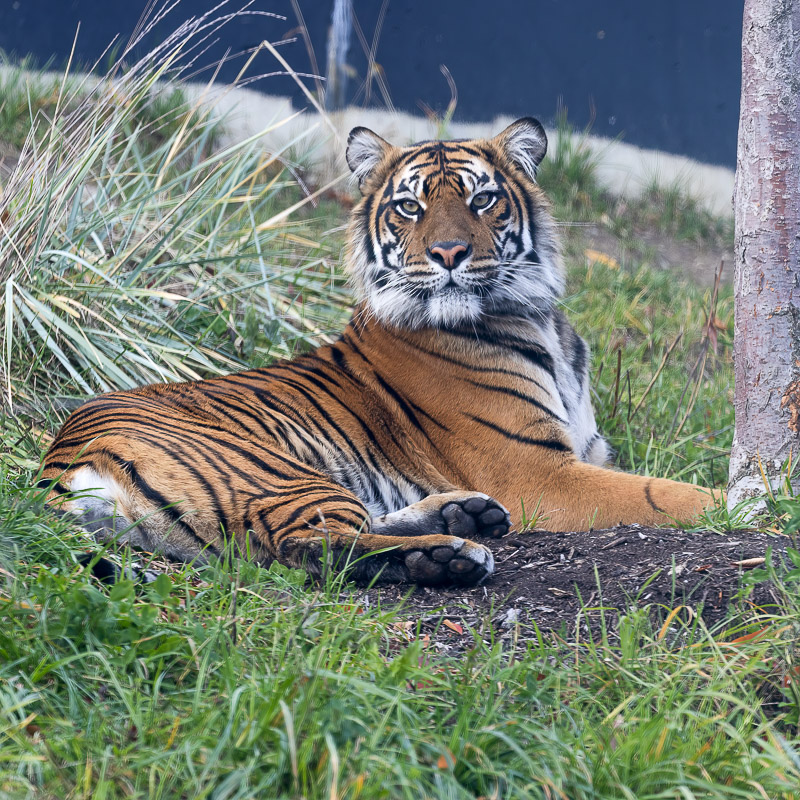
423 543
108 504
278 509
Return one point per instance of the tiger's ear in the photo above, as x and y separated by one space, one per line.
365 150
525 143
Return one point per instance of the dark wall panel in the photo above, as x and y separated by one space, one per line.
664 74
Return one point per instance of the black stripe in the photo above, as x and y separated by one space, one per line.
589 445
550 444
172 453
530 352
365 428
521 396
341 362
206 424
649 497
52 485
216 397
472 367
298 512
189 466
320 409
357 455
405 405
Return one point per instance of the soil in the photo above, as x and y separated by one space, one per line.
545 578
8 160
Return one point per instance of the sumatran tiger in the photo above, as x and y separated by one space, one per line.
458 391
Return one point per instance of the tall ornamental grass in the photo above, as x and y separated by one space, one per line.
134 249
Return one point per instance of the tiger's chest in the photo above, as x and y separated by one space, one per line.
500 416
478 404
505 384
383 413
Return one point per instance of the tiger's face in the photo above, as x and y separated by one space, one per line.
453 232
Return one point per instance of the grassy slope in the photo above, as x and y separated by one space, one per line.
681 426
231 681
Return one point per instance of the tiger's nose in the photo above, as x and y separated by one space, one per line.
449 254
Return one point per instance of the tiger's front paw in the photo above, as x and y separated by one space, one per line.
453 560
476 514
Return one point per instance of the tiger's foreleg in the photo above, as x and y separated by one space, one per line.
579 496
455 515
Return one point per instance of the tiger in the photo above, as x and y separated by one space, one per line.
456 397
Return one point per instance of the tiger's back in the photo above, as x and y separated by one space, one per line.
458 390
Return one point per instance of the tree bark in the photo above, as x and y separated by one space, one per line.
767 272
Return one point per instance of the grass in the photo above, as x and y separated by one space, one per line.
32 97
27 98
568 175
235 682
670 210
660 215
661 346
678 421
149 276
135 251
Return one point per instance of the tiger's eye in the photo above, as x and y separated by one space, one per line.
410 206
481 200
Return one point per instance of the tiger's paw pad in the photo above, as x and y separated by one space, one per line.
458 561
478 515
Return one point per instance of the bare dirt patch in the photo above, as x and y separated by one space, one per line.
8 161
548 578
695 262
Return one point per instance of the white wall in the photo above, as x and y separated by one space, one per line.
622 168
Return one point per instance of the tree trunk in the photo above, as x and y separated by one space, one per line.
767 269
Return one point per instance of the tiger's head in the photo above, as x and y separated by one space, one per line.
453 232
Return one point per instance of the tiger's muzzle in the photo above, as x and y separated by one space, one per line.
449 254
